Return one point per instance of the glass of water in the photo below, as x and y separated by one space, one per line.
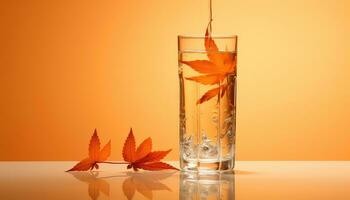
207 76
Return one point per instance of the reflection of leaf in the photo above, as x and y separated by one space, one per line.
95 155
214 70
95 184
144 183
143 157
129 188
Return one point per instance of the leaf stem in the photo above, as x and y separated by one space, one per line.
107 162
210 17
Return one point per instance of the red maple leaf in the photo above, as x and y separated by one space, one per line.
143 157
214 70
95 155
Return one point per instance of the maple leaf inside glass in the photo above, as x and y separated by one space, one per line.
207 75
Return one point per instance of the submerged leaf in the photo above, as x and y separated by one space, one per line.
211 49
214 70
208 79
203 66
210 94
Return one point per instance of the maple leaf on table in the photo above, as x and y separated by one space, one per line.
95 155
214 70
143 157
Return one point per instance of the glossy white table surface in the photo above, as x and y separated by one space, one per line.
262 180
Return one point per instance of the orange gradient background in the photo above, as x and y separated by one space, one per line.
68 67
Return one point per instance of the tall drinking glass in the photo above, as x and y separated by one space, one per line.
207 76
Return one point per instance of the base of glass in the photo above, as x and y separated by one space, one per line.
207 165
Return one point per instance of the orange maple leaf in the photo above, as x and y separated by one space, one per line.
95 155
143 157
215 70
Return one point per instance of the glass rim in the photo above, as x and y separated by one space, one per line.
202 37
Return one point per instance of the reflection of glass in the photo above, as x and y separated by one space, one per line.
219 186
207 75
